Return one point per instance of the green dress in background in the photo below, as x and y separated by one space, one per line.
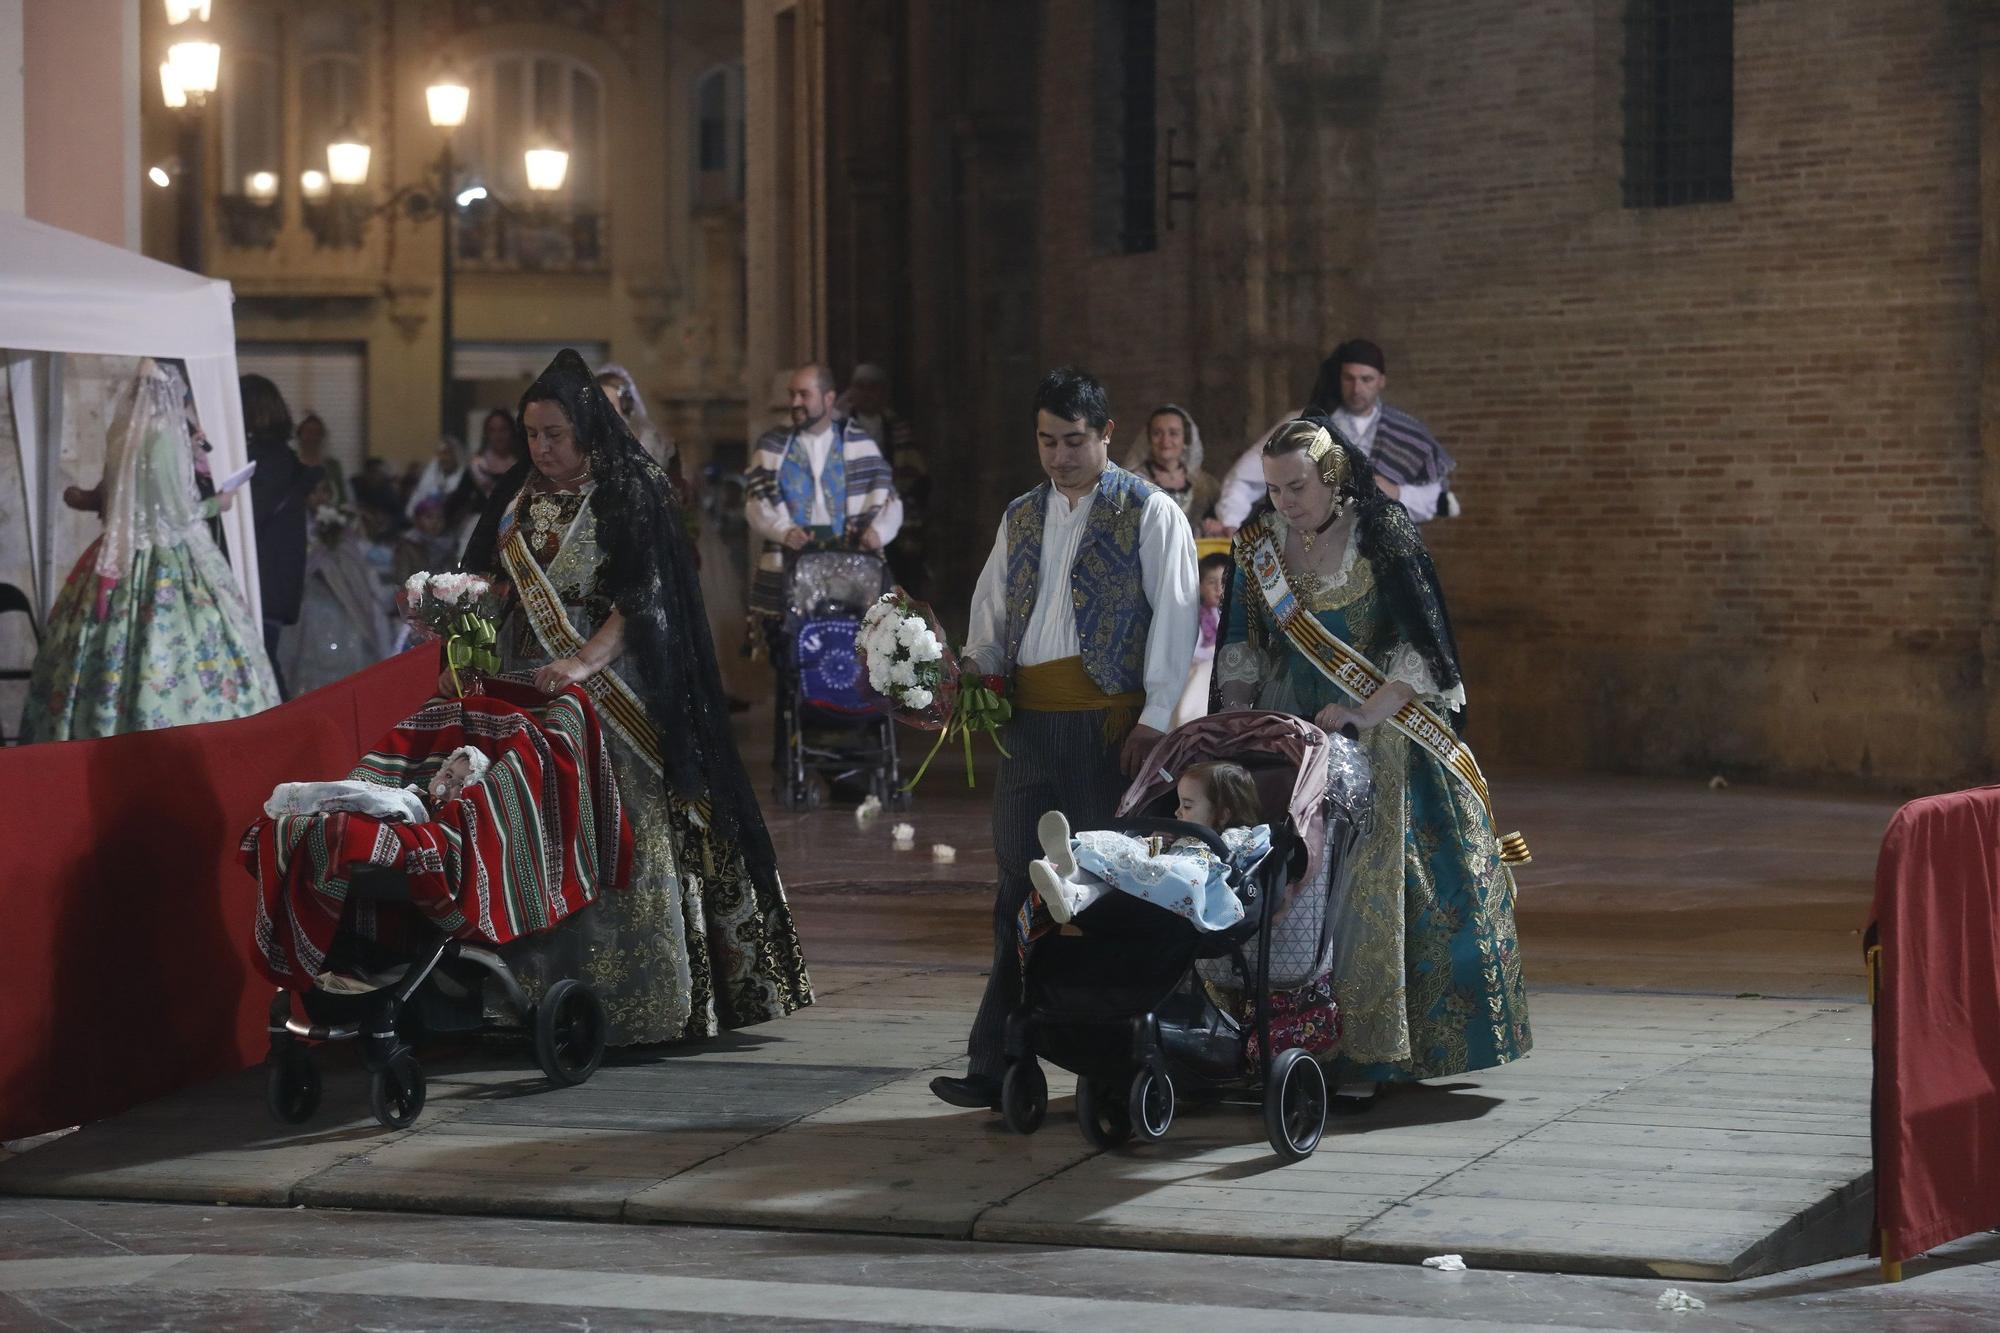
1426 964
155 633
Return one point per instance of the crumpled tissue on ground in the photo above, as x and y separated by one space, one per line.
943 853
1673 1298
905 836
1446 1263
868 812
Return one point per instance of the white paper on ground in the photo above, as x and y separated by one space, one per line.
1673 1298
1446 1263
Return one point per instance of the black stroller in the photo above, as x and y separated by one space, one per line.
392 976
831 726
437 992
1137 1021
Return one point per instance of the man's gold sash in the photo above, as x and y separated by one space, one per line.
1360 678
617 705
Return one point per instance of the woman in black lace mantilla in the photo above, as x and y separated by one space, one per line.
703 938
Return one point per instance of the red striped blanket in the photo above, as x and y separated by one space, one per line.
535 841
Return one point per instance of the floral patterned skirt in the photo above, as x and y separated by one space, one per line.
174 644
1427 964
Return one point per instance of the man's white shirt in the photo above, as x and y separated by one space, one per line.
1171 586
1243 487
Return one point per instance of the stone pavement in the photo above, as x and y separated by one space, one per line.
88 1267
1672 1120
1683 1136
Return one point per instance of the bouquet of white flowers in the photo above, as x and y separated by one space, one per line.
908 662
330 523
461 609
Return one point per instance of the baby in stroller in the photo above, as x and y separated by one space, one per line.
408 804
1137 1001
1183 876
387 900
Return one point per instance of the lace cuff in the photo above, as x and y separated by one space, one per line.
1240 664
1407 665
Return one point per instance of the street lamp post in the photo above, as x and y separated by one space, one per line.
447 100
188 76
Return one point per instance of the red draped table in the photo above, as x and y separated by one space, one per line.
1934 953
126 957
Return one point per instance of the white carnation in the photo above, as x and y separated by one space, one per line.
415 584
927 649
903 673
449 588
910 630
917 697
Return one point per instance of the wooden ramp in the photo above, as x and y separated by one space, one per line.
1676 1136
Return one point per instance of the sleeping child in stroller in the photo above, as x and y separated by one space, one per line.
1183 876
409 804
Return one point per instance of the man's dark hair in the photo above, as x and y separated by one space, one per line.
1325 398
266 419
1074 394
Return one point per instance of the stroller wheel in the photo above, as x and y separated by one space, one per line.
291 1085
1295 1105
1101 1114
396 1091
1024 1096
570 1032
1152 1103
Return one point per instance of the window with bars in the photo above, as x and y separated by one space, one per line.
1127 126
1679 101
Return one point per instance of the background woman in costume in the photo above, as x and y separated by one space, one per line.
343 619
1170 457
1427 967
703 938
280 504
440 476
150 629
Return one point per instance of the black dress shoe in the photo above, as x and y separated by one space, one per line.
979 1092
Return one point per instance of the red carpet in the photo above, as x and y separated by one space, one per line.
125 957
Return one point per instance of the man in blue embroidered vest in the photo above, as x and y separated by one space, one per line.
1089 605
824 480
1410 465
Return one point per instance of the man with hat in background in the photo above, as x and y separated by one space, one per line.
1410 465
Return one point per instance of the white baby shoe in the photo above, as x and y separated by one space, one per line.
1064 897
1053 830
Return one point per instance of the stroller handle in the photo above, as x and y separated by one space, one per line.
1178 828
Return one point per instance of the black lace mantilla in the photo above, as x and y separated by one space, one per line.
650 576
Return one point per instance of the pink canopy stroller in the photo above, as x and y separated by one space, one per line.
1195 1011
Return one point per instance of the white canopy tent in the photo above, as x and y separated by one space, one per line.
63 295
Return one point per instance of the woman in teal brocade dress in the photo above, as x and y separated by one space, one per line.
1427 969
150 629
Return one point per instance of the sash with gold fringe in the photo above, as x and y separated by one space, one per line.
617 705
1340 663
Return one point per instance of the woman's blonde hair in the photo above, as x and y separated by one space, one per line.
1233 793
1318 443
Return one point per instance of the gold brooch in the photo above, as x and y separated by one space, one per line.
543 513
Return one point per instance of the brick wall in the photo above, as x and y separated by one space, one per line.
1126 318
1720 463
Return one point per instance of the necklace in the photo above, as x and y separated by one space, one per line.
1306 539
